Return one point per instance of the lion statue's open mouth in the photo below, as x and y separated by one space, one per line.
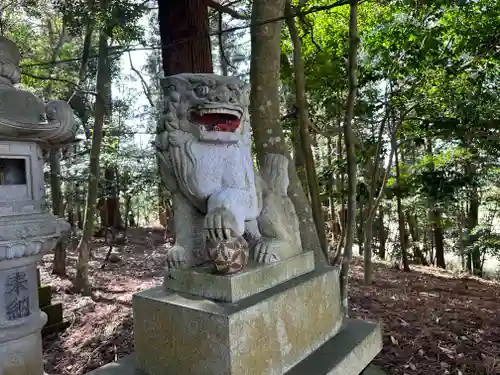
216 119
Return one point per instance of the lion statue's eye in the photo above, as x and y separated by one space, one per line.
202 90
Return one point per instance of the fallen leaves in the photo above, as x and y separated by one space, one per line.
101 326
431 323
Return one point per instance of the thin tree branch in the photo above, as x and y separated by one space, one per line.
224 60
145 87
394 147
77 89
225 9
311 10
46 78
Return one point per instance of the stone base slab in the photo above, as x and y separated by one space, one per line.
267 333
255 278
347 353
21 350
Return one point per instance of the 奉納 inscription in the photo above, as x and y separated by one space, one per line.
17 299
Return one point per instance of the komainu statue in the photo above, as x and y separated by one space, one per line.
225 211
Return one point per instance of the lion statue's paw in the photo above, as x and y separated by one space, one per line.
178 257
266 251
220 224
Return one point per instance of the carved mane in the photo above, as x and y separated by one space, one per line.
177 134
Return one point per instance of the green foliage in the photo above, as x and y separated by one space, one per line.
51 39
485 241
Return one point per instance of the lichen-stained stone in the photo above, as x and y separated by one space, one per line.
27 229
347 353
204 150
21 353
267 333
255 278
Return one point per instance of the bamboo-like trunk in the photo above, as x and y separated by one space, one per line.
59 267
401 222
350 143
305 137
81 281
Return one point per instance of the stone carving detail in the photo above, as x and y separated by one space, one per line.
22 114
278 220
17 301
204 152
228 256
28 128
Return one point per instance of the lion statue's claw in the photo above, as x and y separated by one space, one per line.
263 252
220 225
178 257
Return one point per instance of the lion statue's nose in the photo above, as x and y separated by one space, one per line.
221 96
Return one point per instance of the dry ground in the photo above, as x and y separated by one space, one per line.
434 323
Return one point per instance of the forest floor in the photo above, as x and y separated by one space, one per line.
433 322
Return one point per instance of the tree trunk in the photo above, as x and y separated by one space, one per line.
435 220
382 234
113 213
79 213
374 199
265 109
55 183
336 226
343 216
365 229
415 236
59 266
70 199
77 100
360 222
350 144
367 252
222 53
103 86
128 215
298 153
401 221
185 36
472 222
298 157
102 208
305 137
438 237
162 211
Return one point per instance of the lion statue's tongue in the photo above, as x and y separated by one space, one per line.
219 122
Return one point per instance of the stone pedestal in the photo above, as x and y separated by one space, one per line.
267 333
345 354
293 327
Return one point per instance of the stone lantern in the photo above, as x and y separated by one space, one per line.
28 127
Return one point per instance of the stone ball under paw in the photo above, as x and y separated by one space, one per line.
229 256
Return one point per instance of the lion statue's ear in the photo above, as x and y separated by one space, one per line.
175 83
245 95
